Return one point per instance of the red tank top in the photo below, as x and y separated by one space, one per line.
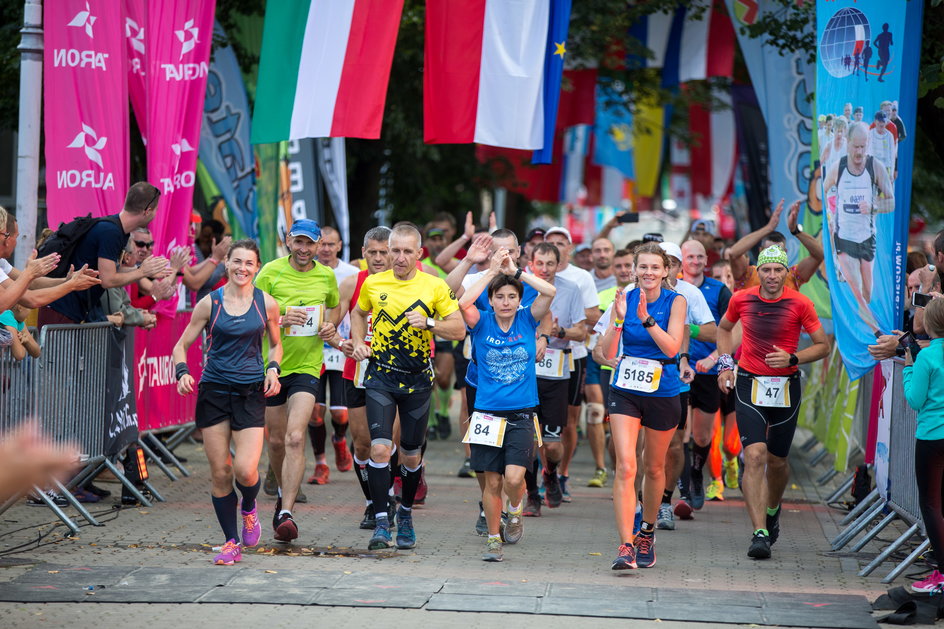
350 364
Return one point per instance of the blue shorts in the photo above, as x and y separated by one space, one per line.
593 371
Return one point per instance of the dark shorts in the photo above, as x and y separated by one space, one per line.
243 406
291 384
575 386
517 446
332 380
462 365
657 413
593 372
470 392
442 347
705 394
355 398
605 376
382 407
728 403
552 408
864 250
763 424
684 397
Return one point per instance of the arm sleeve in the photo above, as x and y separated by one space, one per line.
811 322
446 302
915 382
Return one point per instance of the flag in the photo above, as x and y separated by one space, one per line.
324 68
613 129
484 72
653 31
553 70
707 46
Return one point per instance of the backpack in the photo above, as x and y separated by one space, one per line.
65 239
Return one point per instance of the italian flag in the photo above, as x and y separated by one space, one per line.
324 68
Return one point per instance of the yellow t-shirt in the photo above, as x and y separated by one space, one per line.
401 353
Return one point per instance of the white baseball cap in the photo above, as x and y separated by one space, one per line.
672 249
558 230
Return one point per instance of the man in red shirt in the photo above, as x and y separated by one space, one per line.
767 385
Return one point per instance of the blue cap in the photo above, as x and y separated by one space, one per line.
306 227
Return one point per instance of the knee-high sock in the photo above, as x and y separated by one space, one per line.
318 434
685 478
699 456
411 480
340 427
531 479
225 508
362 477
378 478
249 494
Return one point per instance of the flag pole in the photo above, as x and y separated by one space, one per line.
27 150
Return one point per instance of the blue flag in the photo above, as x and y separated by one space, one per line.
614 130
553 71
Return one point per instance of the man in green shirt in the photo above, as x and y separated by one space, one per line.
307 294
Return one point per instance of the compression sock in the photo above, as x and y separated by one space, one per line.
552 466
443 398
362 476
318 434
773 512
699 456
685 478
667 496
339 423
378 478
411 480
225 508
249 494
531 479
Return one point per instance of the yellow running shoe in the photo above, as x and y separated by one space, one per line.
715 490
598 480
731 473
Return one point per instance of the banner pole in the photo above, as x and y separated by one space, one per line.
27 150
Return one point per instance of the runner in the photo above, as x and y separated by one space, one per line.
329 247
503 342
644 393
307 295
232 391
767 384
437 237
399 375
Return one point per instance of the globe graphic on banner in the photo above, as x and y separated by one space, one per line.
843 39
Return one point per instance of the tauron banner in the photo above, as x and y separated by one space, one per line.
867 59
179 36
121 425
86 111
225 149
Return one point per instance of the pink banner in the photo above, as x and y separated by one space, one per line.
86 111
158 403
135 22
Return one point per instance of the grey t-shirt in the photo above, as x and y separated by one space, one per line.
567 308
603 283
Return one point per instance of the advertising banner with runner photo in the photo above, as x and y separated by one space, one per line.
867 71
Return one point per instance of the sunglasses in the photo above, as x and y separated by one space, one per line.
143 244
6 235
157 193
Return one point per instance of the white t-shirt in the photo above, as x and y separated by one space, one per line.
588 292
5 268
344 270
697 312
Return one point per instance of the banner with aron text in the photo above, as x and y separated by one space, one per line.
85 99
867 59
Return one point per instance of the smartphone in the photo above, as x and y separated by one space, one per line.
628 217
920 300
653 237
906 339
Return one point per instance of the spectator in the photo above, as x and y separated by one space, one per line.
582 257
13 321
721 271
27 459
535 236
916 260
211 248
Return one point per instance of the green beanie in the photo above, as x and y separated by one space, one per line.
772 254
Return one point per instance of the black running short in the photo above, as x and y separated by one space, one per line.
355 398
605 376
291 384
657 413
705 394
243 406
684 397
864 250
382 407
728 403
462 365
470 392
764 424
517 446
578 376
332 380
552 408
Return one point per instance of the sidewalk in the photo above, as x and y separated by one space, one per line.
703 572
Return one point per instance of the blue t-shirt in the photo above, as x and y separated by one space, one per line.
506 373
717 295
105 239
637 341
527 298
7 319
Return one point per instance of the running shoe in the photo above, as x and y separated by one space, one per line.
286 530
683 510
301 498
278 510
481 526
466 471
342 456
760 546
493 550
321 475
532 508
252 530
565 495
391 512
422 490
552 490
698 489
773 525
732 473
271 485
666 519
637 519
932 584
443 427
513 527
715 491
369 521
646 549
57 499
625 558
598 480
381 538
406 536
230 554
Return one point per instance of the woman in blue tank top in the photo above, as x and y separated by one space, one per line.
233 388
643 393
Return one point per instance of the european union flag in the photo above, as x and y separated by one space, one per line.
614 131
553 71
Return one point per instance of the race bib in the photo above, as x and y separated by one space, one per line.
360 371
537 430
312 324
552 366
333 359
639 374
485 430
773 391
467 348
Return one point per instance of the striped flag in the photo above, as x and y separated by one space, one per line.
553 72
324 68
707 46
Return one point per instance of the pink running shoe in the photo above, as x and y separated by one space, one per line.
934 583
230 554
252 530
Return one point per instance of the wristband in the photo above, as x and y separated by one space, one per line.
725 363
518 274
686 356
618 323
694 329
181 370
547 337
274 365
